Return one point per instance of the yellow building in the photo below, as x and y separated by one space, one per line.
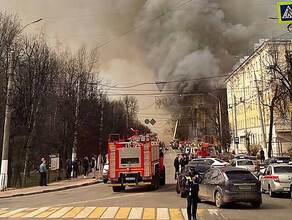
249 91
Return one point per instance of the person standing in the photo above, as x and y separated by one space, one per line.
75 168
176 166
191 184
68 166
93 167
183 162
262 153
85 166
43 173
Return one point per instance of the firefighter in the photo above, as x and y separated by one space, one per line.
191 184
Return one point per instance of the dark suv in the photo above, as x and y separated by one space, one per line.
230 184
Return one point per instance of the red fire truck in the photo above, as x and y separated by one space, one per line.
137 161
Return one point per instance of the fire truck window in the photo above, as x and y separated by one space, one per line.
129 160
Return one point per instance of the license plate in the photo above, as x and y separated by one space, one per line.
286 189
245 187
130 178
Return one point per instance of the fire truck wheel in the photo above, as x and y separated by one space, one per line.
117 188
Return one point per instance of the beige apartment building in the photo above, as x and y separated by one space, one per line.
248 93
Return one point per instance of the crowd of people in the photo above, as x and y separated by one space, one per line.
73 168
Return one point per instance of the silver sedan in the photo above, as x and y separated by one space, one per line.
276 179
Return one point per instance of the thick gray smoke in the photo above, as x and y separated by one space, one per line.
200 38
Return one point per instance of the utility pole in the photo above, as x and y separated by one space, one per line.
175 129
261 116
235 118
101 126
6 133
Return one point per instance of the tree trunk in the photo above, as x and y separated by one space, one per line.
270 147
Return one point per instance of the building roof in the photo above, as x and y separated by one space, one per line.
283 37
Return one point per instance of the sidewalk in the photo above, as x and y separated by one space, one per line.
52 187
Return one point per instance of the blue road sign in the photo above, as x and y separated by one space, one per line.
285 12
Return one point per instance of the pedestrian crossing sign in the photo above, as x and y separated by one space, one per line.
285 12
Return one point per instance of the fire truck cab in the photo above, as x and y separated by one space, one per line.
137 161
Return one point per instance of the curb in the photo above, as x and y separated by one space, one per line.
52 190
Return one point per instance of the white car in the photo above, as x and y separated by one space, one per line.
244 163
214 162
105 173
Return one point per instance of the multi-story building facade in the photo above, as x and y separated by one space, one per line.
249 94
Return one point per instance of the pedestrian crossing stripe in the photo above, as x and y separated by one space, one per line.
101 213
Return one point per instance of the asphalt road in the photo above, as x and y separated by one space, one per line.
98 201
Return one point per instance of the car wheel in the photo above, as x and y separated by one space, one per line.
256 204
271 193
218 199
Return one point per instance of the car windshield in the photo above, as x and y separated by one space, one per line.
283 169
240 176
202 169
244 162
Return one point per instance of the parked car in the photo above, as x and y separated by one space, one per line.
275 160
105 172
214 162
230 184
277 179
200 166
245 163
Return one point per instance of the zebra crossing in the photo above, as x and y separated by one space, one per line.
100 213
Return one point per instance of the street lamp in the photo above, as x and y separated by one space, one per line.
8 111
220 116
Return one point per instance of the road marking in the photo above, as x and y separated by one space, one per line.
149 213
61 212
47 213
213 211
185 214
110 212
136 213
12 212
85 212
175 214
36 212
3 211
123 213
97 213
73 212
162 213
20 214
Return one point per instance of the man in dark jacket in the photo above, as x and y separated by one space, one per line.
68 166
183 162
191 184
176 166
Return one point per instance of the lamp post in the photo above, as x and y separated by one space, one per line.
8 111
220 114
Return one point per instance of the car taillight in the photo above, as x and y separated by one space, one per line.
256 168
224 165
276 179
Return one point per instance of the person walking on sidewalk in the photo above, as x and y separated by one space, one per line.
43 173
191 183
75 168
93 167
262 153
176 166
85 166
68 166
